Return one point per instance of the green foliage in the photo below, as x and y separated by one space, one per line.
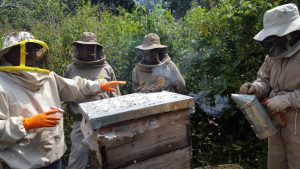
113 5
212 45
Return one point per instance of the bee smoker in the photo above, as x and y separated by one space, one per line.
255 114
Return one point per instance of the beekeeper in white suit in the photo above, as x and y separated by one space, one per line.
31 124
278 81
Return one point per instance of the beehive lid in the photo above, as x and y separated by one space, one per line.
121 108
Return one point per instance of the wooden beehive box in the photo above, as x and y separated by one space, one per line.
139 131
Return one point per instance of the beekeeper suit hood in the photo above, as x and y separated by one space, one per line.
281 32
22 40
88 52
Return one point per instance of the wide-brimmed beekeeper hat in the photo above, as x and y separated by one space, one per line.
279 21
88 38
151 41
20 39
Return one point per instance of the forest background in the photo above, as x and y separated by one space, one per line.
211 41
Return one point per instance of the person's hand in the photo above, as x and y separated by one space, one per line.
248 88
109 86
42 120
278 118
278 103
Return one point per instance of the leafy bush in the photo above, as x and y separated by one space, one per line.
213 47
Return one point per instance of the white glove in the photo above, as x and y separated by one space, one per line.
279 103
248 88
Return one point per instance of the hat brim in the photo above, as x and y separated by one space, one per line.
154 46
280 30
87 43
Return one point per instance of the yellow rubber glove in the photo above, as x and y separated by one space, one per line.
42 120
108 86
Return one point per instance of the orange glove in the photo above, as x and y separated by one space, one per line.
108 86
42 120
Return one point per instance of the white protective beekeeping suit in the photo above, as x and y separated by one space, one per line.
157 77
98 68
28 91
278 80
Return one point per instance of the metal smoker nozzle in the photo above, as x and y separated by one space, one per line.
242 100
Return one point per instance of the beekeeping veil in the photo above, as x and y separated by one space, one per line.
280 34
21 39
89 39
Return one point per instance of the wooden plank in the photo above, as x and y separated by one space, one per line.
116 135
152 136
178 159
